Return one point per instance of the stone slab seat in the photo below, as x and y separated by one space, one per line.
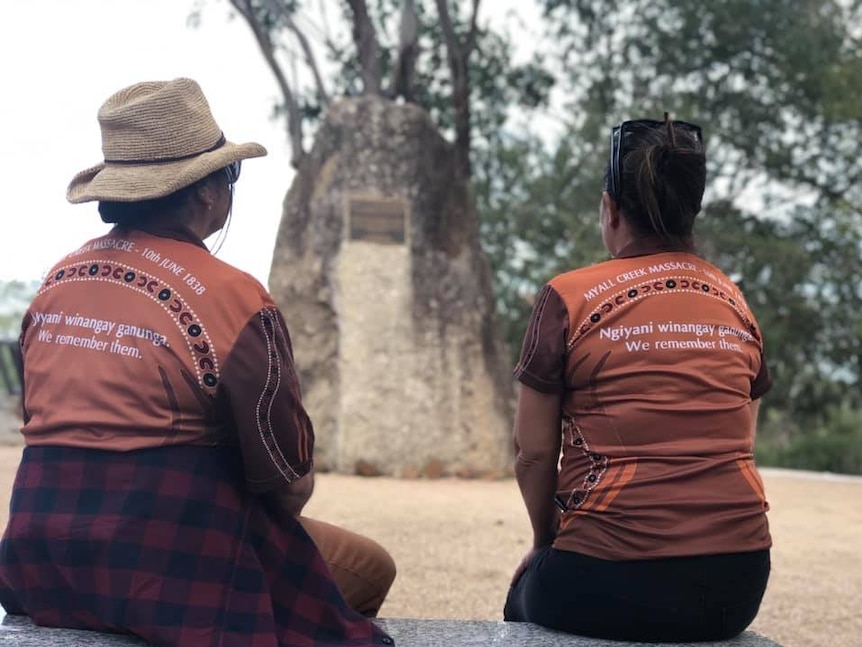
407 632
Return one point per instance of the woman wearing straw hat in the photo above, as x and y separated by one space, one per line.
168 454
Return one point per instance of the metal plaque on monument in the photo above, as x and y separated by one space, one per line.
377 220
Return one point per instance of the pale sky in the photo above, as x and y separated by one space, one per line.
62 58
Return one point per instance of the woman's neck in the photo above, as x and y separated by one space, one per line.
644 245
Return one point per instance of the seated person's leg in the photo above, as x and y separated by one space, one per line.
683 599
523 588
362 568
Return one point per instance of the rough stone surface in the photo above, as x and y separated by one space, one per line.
485 633
402 369
21 632
406 633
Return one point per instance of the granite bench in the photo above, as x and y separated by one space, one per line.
407 632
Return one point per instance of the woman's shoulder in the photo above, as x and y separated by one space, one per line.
582 278
232 283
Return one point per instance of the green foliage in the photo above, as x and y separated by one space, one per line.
9 382
15 296
799 276
531 227
497 83
777 86
834 445
774 84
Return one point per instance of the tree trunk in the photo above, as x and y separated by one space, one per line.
459 58
365 38
291 105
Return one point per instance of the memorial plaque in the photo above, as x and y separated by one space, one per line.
377 220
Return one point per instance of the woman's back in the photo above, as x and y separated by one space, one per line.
661 356
651 365
169 455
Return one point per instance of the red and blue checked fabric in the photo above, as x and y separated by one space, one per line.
164 544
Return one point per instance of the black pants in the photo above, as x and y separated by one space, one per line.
680 599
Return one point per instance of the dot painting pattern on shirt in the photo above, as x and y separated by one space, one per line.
665 285
205 358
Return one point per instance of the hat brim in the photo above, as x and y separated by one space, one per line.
112 182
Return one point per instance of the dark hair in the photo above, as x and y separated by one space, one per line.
136 214
663 180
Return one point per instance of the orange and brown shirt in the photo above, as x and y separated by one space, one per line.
137 340
657 358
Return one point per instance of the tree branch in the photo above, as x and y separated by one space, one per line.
365 38
459 55
471 35
452 42
404 69
294 116
278 7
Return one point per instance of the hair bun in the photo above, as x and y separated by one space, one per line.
663 179
657 156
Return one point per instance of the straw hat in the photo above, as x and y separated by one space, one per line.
157 137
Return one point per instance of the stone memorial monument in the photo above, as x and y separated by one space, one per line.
378 270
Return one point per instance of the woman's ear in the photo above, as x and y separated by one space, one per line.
610 210
206 195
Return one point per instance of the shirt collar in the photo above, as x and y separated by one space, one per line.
173 231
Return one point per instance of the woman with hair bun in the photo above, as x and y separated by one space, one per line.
646 372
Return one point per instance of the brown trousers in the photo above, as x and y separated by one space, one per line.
362 568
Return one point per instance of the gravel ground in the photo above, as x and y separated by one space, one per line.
457 542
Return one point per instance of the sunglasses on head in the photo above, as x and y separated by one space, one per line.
232 171
623 133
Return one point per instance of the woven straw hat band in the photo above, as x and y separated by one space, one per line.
157 121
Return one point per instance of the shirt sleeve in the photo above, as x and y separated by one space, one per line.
542 365
259 379
19 366
762 382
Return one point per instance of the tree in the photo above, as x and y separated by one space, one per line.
451 64
14 299
442 59
776 85
15 296
377 157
